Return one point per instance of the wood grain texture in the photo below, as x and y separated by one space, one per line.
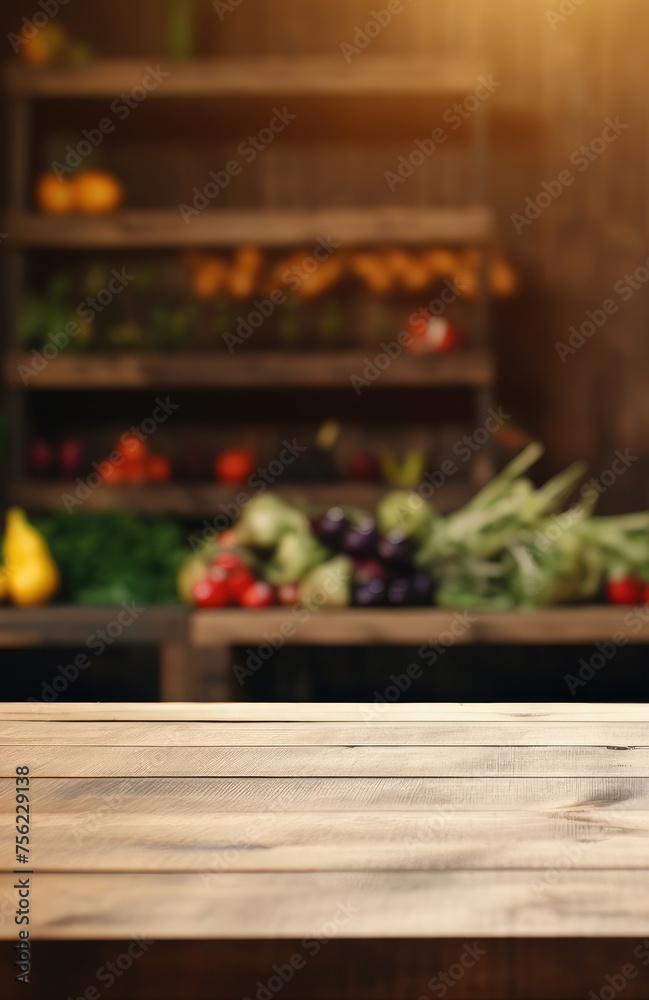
139 228
116 839
367 712
268 77
331 734
324 761
343 905
254 369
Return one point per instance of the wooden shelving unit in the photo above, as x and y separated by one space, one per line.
321 76
139 229
469 225
413 626
204 500
276 369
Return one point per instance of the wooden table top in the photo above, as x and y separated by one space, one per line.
275 821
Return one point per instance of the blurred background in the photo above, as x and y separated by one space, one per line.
317 253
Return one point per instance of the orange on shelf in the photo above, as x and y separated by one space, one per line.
48 44
54 195
98 192
112 474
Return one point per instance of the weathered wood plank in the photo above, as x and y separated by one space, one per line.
352 761
288 734
98 797
345 905
260 77
439 840
332 369
139 228
324 711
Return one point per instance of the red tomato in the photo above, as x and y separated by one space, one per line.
132 447
211 593
158 468
433 335
234 466
288 593
228 560
112 474
259 595
626 590
240 580
133 471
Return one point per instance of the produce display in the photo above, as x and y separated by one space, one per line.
250 298
511 546
109 558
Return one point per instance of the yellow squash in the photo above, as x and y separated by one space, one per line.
33 577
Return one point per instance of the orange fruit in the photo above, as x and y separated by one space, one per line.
97 192
48 44
54 196
209 278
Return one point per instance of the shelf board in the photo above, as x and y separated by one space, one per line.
413 626
72 625
268 77
248 370
204 499
161 228
69 625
